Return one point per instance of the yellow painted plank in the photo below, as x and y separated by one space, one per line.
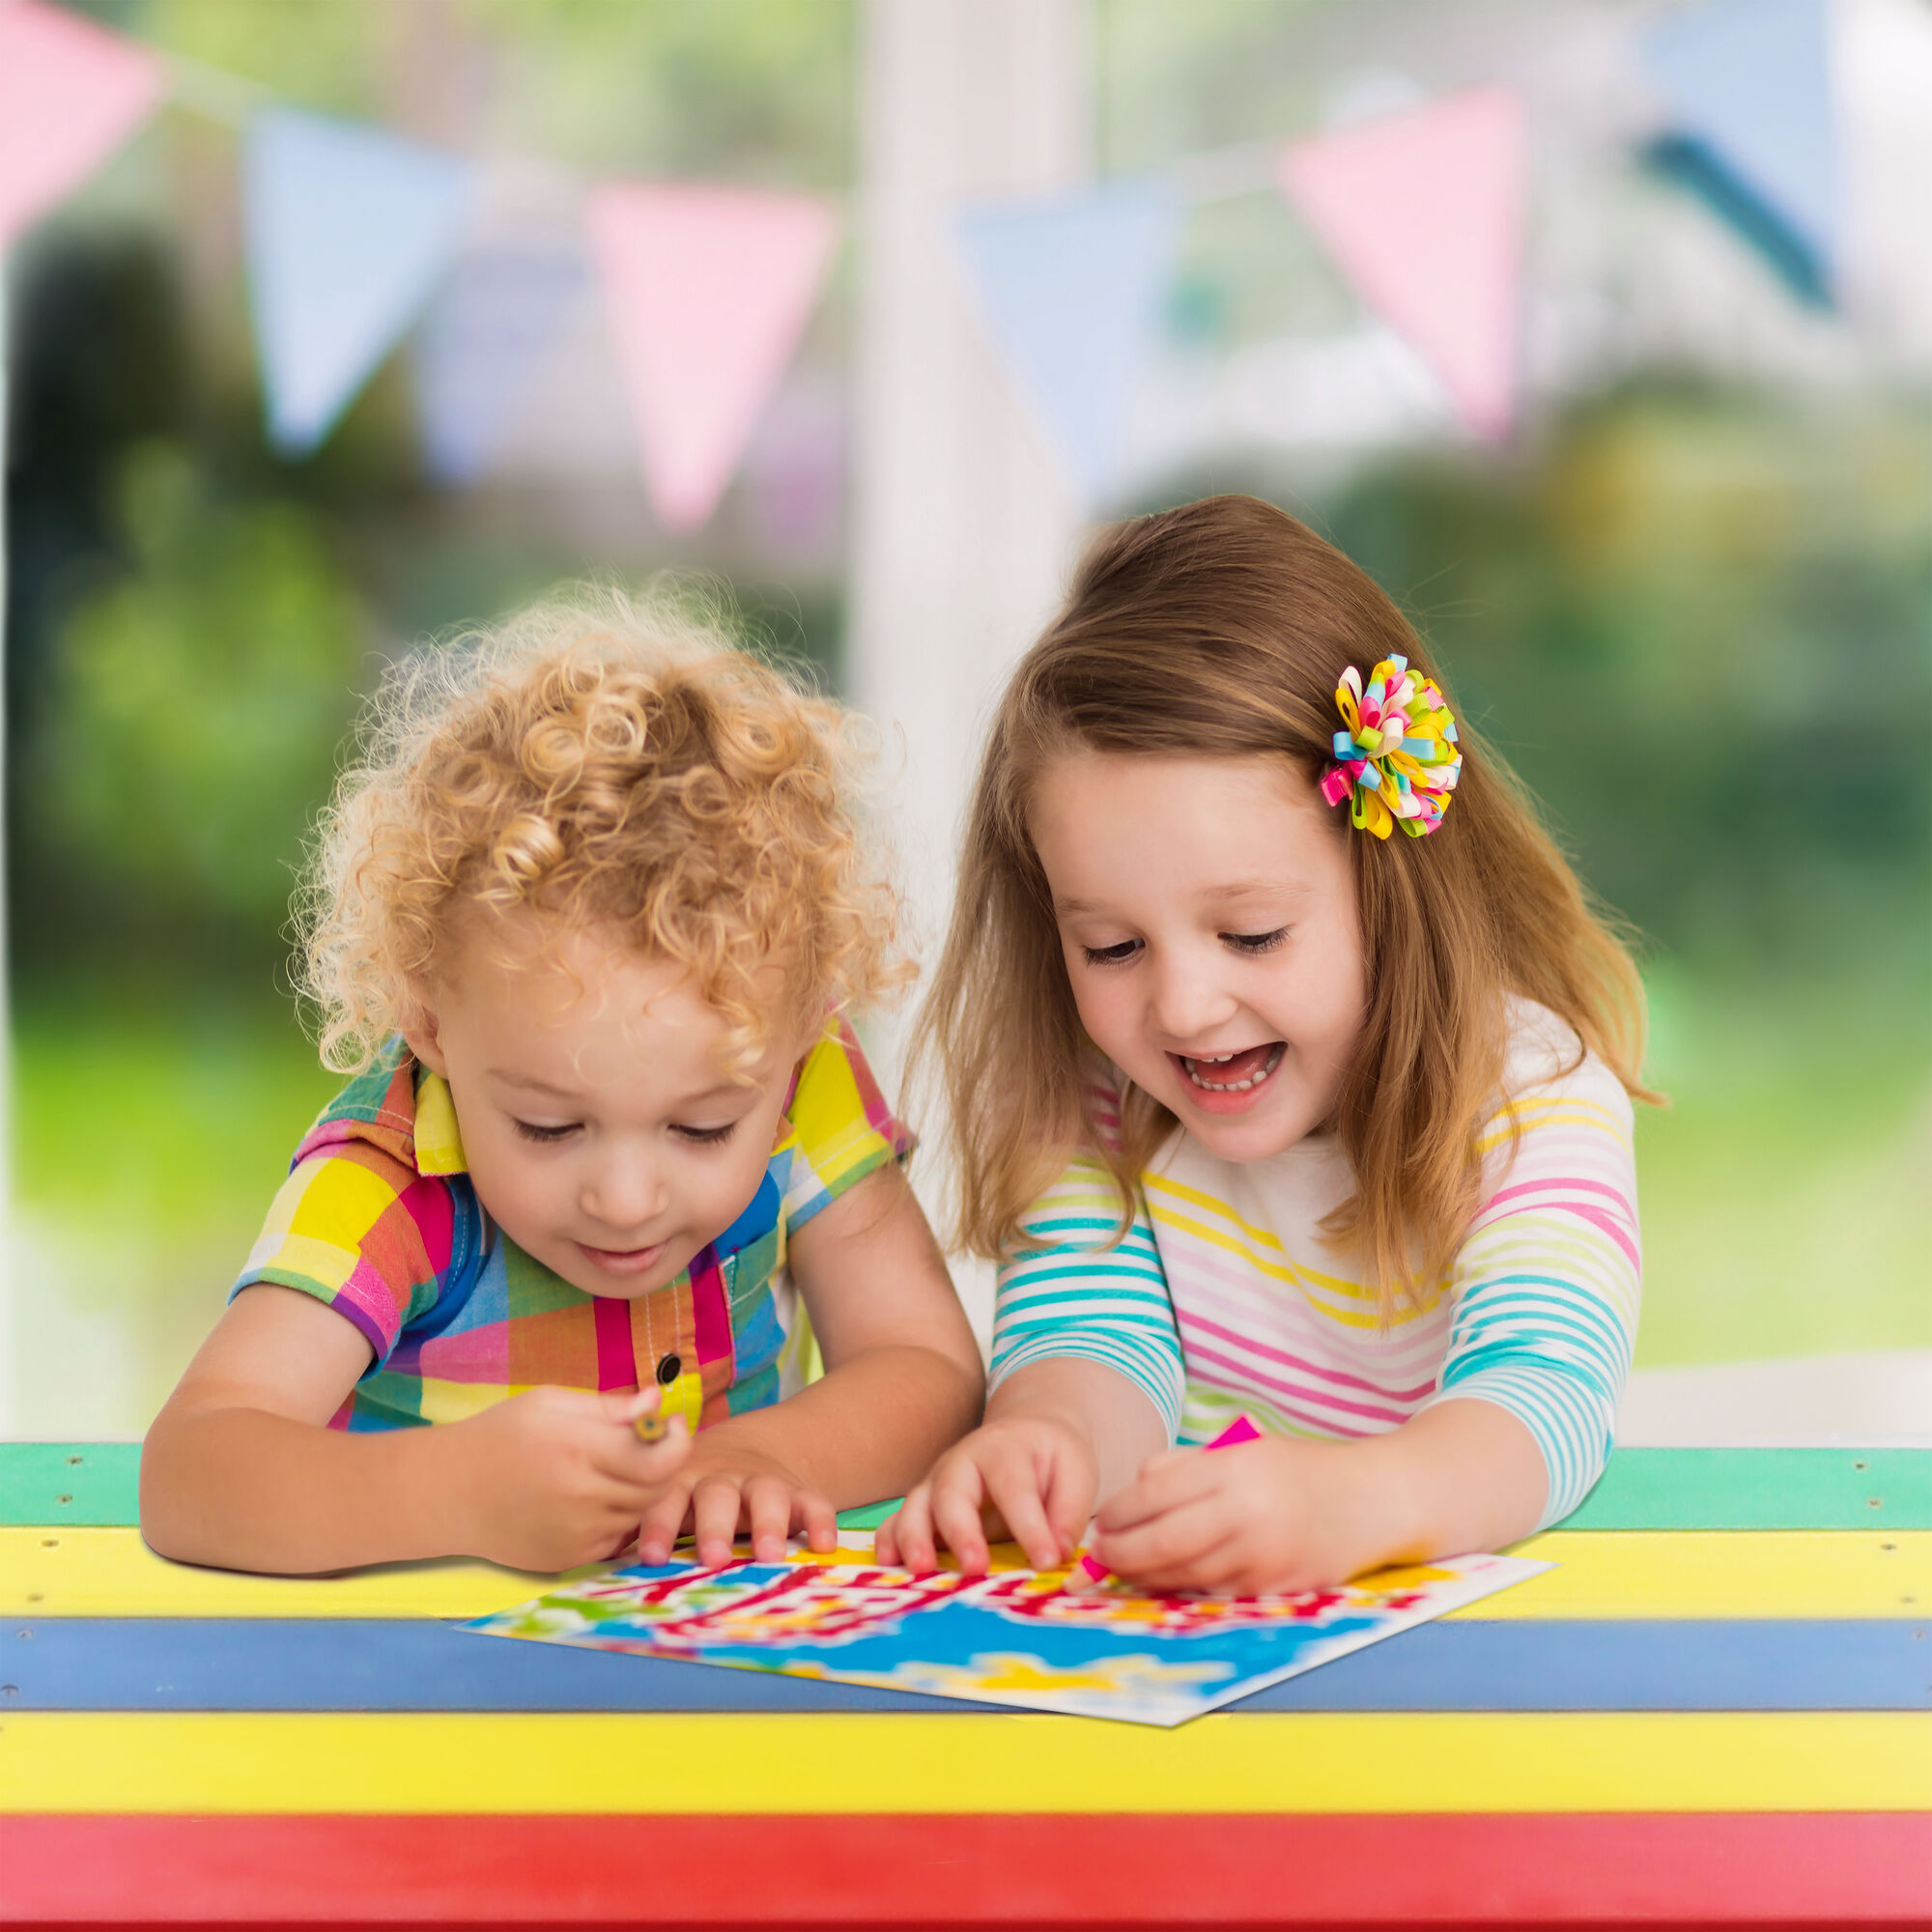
99 1572
1733 1572
1382 1762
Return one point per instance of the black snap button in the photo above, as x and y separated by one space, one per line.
670 1368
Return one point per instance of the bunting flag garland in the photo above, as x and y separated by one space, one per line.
480 344
1748 85
708 291
70 93
349 231
1070 292
1423 213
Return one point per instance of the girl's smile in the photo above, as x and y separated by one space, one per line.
1232 1081
1206 915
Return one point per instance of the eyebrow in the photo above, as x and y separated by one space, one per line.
528 1084
1240 888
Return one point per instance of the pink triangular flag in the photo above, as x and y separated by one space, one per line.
707 290
70 93
1423 213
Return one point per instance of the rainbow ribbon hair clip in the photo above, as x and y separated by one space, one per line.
1398 757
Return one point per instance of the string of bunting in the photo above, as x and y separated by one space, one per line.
355 236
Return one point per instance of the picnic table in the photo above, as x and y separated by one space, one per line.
1716 1711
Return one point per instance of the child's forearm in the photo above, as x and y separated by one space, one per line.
1116 1419
866 1430
1459 1476
242 1488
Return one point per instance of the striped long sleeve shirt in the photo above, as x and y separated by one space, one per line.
1223 1298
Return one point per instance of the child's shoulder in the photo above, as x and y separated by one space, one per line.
379 1106
1548 1059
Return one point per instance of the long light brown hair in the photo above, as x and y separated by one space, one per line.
1219 631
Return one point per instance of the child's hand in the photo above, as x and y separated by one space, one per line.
1262 1516
724 1487
1028 1477
559 1476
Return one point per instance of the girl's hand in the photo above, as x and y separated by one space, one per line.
557 1477
1257 1518
1030 1477
723 1487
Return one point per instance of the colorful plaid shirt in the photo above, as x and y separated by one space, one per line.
379 1219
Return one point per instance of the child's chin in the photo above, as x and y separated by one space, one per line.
1258 1133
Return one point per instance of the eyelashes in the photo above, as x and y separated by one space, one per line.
1253 944
696 1136
1249 945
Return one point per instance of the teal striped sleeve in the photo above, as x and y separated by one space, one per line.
1074 1295
1546 1281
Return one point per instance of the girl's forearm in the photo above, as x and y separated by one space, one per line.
1120 1424
1459 1476
866 1430
242 1489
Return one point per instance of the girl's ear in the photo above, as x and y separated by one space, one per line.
423 1039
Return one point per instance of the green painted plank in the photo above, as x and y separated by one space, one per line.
870 1517
1761 1488
90 1484
94 1484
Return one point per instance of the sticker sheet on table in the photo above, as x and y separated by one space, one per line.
1017 1638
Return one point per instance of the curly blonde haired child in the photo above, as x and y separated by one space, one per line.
582 927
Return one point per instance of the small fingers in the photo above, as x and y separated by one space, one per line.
1210 1567
716 1505
958 1493
815 1516
1162 1547
904 1540
767 1508
1165 1483
1017 1496
659 1527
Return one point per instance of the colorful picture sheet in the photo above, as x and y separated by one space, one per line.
1017 1638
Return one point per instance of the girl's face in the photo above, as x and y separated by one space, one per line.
1209 923
601 1135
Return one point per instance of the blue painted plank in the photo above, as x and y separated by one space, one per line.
84 1664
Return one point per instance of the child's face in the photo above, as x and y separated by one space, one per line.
1206 910
601 1132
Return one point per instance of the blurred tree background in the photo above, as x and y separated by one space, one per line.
1696 612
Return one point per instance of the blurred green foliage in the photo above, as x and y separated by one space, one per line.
1697 617
1699 622
204 688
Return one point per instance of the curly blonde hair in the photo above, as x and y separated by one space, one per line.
607 763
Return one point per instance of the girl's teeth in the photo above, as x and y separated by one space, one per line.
1230 1086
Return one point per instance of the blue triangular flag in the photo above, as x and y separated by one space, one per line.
481 342
1071 293
349 231
1748 83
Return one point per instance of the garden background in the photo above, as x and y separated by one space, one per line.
1690 592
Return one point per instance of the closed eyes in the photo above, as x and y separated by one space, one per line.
1254 942
1249 945
697 1136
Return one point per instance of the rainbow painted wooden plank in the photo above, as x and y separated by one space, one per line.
1716 1711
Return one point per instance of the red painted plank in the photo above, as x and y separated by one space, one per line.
1727 1871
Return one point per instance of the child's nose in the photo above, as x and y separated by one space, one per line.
624 1194
1188 1001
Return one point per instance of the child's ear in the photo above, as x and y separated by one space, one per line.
425 1042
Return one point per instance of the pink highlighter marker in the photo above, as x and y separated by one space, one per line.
1238 1431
